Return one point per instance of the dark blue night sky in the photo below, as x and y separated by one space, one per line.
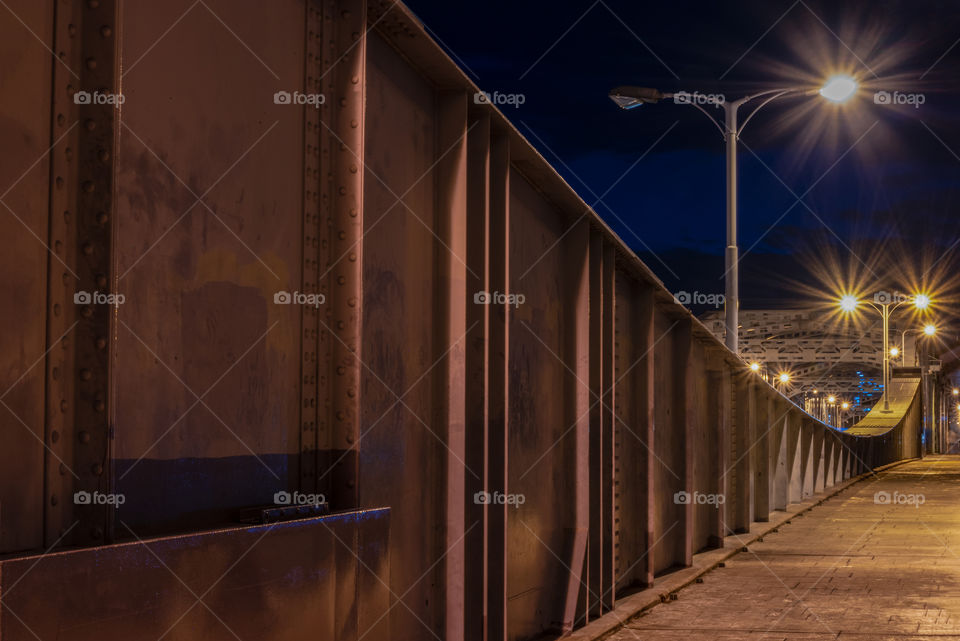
878 182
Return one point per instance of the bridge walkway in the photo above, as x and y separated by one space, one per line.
879 560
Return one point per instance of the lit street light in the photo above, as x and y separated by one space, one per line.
849 303
928 330
837 89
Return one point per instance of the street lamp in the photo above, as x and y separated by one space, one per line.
928 330
885 305
837 89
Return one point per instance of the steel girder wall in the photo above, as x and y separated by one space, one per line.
597 400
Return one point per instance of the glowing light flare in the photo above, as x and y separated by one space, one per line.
894 351
930 330
755 367
845 405
839 88
921 301
831 399
784 377
848 302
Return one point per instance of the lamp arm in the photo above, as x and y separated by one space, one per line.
777 93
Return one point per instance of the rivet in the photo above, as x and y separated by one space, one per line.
355 79
56 309
72 30
350 484
106 31
101 343
352 301
63 469
90 124
353 169
66 217
351 393
340 416
353 212
57 246
102 218
102 281
343 102
91 63
55 372
342 235
341 370
87 249
96 533
89 187
341 280
349 438
354 124
59 182
97 469
85 374
93 4
340 325
60 119
355 35
352 257
99 406
63 406
53 499
104 155
84 436
87 311
344 14
54 436
343 191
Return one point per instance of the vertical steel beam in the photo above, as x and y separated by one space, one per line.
451 225
646 392
61 437
314 232
344 69
478 347
684 412
719 421
91 165
600 556
577 353
760 449
499 276
744 431
779 459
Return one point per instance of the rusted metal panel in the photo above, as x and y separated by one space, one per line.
274 581
30 198
210 179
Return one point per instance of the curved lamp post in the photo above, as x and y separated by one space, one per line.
837 89
849 303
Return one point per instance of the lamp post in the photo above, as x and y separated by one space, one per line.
884 304
836 89
927 330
